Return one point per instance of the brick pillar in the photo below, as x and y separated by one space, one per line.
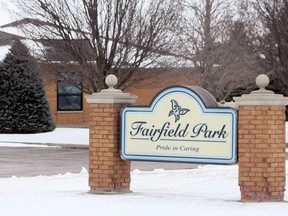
108 173
261 144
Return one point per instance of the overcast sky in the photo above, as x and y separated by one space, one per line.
5 16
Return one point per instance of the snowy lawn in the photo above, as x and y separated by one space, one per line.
60 136
208 190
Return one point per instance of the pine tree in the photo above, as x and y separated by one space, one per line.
23 105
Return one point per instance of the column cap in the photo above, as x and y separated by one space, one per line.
261 97
111 95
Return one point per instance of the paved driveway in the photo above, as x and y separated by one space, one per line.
30 161
33 161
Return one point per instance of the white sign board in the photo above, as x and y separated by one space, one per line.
179 127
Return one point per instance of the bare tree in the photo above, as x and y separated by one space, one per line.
270 36
105 36
206 28
237 66
215 39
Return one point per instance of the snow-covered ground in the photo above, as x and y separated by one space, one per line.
60 136
207 190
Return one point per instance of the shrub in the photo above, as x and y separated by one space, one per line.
23 105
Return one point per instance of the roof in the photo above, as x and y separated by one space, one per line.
53 48
24 21
8 38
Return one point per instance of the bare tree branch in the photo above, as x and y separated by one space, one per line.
107 36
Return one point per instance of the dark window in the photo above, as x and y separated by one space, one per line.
69 94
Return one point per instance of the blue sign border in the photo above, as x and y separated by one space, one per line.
207 110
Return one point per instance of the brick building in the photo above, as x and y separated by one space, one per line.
71 108
67 102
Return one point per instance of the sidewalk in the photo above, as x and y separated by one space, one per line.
64 137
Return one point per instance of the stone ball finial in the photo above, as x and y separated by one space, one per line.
111 80
262 81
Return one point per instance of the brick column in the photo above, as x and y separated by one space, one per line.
108 173
261 144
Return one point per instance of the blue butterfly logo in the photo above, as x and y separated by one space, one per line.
177 110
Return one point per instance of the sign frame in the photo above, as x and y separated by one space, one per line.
206 103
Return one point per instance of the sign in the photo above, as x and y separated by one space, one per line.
182 124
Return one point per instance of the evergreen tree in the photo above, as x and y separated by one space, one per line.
23 104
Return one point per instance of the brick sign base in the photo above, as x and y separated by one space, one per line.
107 171
261 151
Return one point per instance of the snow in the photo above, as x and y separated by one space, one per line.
207 190
74 137
12 30
3 51
19 145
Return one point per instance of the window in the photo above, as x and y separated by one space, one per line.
69 94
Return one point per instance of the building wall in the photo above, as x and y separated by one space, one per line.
61 118
145 90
